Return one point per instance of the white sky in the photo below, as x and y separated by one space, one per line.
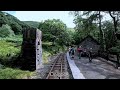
44 15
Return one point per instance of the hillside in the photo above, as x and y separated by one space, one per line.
34 24
15 24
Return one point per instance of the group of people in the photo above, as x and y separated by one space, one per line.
79 50
72 51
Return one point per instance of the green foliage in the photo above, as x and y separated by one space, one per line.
70 36
109 34
3 19
85 26
15 24
49 50
48 46
8 52
10 73
32 23
14 20
16 40
45 56
55 31
16 28
5 31
115 49
89 23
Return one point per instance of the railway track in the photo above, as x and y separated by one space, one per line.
57 68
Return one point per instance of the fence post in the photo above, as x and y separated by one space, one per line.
107 56
90 56
117 63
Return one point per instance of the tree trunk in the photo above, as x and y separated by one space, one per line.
115 26
114 21
101 34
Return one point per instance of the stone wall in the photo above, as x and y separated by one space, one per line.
31 43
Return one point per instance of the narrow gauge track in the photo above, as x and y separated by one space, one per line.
57 68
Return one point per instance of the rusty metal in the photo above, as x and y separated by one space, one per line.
57 68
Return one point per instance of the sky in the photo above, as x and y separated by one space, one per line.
44 15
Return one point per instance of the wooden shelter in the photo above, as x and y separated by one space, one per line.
89 43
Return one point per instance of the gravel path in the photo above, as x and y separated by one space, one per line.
43 71
98 69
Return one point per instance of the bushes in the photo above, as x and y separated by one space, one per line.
45 56
5 31
16 28
115 49
8 51
9 73
49 50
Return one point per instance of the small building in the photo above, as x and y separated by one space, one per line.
89 43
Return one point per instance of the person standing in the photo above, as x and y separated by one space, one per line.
79 49
69 51
72 51
90 55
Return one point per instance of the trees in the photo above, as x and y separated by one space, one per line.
87 22
6 31
90 22
54 30
15 24
3 19
115 15
108 29
33 24
16 27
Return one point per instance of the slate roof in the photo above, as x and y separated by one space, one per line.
91 38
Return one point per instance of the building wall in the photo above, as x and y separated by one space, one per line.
89 43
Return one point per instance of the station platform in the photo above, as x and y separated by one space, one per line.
76 73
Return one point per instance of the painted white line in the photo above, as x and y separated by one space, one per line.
74 69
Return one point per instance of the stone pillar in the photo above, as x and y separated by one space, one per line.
31 49
38 49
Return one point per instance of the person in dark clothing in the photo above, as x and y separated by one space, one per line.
90 55
69 50
72 51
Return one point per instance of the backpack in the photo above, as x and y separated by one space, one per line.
72 50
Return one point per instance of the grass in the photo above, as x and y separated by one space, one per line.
11 47
47 43
10 73
49 50
8 50
16 38
45 56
